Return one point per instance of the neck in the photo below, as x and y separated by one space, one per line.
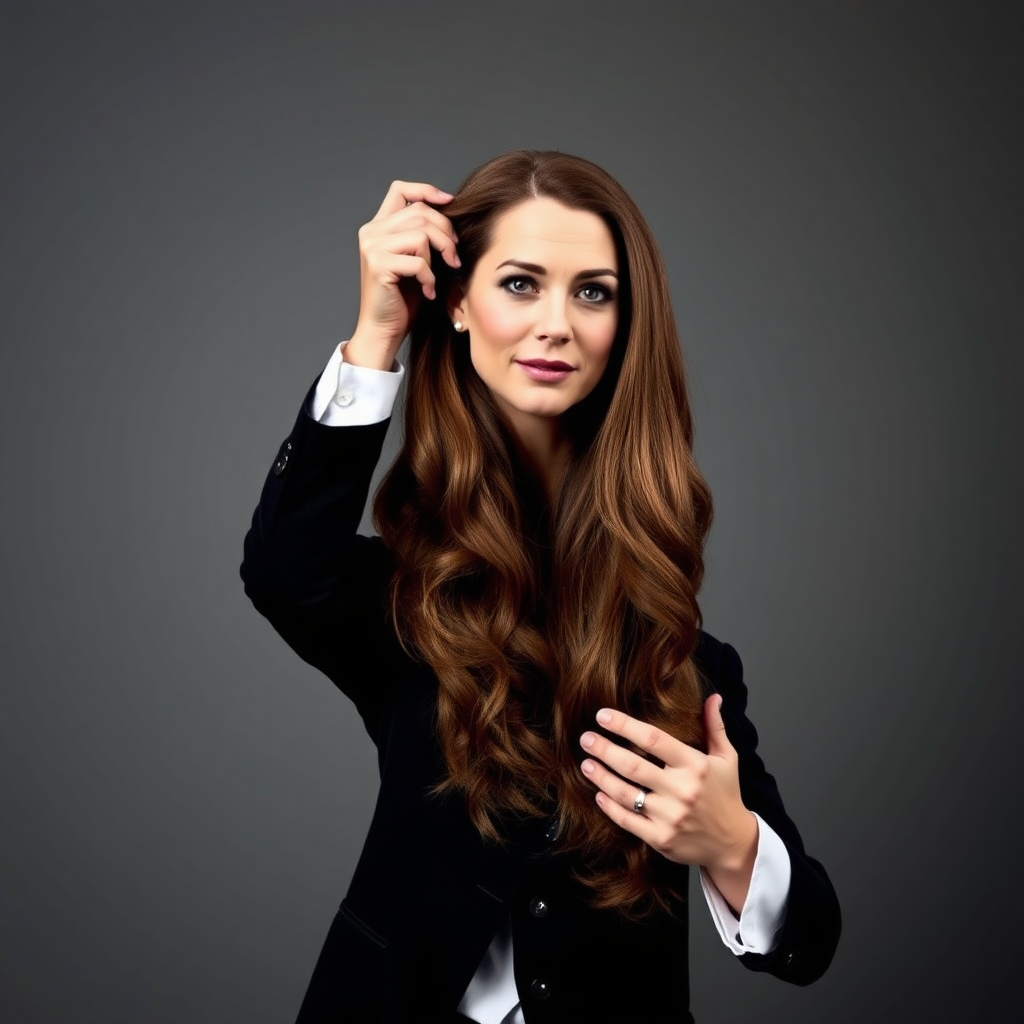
543 450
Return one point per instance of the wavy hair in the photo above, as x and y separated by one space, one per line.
535 615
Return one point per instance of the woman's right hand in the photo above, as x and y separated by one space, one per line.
394 268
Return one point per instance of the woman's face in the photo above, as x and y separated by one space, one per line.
541 309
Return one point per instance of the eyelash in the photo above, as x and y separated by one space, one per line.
607 293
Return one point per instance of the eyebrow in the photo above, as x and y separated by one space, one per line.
536 268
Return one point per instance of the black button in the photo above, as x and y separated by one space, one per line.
540 989
551 832
282 458
539 907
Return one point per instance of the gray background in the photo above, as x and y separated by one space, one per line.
835 188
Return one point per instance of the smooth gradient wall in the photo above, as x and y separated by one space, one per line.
835 188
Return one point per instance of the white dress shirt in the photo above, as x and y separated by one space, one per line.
348 395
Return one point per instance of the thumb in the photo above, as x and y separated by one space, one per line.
714 727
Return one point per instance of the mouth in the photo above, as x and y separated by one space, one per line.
544 364
545 371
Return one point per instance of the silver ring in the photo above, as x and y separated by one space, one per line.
638 803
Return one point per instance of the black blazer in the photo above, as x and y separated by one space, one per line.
428 894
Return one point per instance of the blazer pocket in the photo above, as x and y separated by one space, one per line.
357 922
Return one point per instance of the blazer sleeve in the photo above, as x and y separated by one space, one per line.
809 935
321 584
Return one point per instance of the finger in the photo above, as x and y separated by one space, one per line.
441 238
390 267
624 762
417 215
403 192
714 727
672 752
414 242
622 791
379 251
416 237
639 824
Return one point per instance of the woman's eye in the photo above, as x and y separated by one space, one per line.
509 282
593 294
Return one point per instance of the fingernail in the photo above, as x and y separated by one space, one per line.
604 716
587 740
444 195
588 767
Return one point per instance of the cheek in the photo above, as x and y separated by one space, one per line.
498 325
602 349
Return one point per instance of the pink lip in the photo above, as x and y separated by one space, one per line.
542 370
543 364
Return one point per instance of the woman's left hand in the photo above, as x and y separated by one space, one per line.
692 812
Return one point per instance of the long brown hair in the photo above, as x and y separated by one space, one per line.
534 617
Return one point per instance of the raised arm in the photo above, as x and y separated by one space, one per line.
321 584
304 567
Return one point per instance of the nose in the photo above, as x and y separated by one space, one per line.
553 323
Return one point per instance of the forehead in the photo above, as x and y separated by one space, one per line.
540 230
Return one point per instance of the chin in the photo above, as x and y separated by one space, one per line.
546 411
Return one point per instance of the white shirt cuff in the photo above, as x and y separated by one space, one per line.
348 395
765 906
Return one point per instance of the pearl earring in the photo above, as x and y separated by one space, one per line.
458 325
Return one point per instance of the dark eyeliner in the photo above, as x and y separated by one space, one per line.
516 277
607 292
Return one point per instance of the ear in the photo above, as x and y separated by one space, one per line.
456 304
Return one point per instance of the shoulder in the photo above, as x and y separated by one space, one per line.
716 661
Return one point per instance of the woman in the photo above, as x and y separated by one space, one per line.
558 739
